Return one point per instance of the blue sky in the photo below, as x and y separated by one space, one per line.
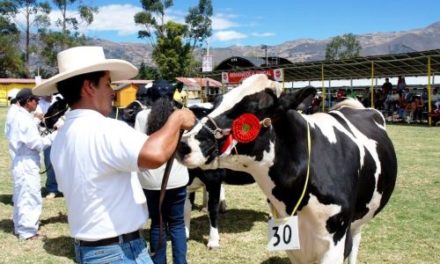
251 22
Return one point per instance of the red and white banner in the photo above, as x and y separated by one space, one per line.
238 77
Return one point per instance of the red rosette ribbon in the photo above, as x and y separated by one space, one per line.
246 128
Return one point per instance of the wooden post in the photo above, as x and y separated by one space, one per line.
429 92
323 88
372 85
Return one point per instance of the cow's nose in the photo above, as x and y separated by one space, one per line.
183 150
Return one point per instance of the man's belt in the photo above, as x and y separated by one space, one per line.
112 240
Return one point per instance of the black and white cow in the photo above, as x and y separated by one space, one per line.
352 164
55 111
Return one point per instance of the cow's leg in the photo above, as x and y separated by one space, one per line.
352 258
205 199
222 200
335 253
213 189
187 215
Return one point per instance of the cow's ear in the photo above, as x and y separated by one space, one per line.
299 100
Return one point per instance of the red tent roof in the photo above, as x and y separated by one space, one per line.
197 82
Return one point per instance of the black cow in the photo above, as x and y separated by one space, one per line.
347 180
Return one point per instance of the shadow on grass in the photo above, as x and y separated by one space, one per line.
232 221
6 199
7 226
60 246
276 260
60 218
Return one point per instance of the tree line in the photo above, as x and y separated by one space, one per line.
173 43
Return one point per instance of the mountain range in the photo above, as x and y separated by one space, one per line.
301 50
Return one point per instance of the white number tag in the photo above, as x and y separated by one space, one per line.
283 234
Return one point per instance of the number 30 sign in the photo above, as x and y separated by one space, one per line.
283 234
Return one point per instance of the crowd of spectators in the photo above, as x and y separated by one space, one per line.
398 103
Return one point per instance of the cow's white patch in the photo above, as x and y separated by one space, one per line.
252 85
382 126
214 238
195 158
356 234
324 123
317 244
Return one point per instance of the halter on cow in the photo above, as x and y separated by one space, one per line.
352 164
52 116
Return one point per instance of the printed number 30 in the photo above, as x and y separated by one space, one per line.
286 233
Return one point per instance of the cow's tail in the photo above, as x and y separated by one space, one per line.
350 103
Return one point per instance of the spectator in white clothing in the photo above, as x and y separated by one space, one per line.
26 143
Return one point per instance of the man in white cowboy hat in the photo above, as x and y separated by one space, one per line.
26 143
94 157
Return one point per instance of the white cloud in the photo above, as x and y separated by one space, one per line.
228 35
263 34
119 18
222 22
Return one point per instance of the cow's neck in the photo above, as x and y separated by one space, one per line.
289 170
281 171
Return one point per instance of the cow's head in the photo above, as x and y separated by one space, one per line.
207 145
56 110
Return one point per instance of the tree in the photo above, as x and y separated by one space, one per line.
147 73
199 22
68 36
180 41
171 54
11 63
343 47
35 14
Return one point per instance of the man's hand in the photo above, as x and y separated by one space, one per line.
187 118
39 115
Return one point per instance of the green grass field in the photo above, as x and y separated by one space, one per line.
406 231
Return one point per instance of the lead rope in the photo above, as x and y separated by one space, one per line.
309 153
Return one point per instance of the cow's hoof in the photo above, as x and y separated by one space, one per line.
213 244
222 208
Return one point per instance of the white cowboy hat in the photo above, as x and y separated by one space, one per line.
85 59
